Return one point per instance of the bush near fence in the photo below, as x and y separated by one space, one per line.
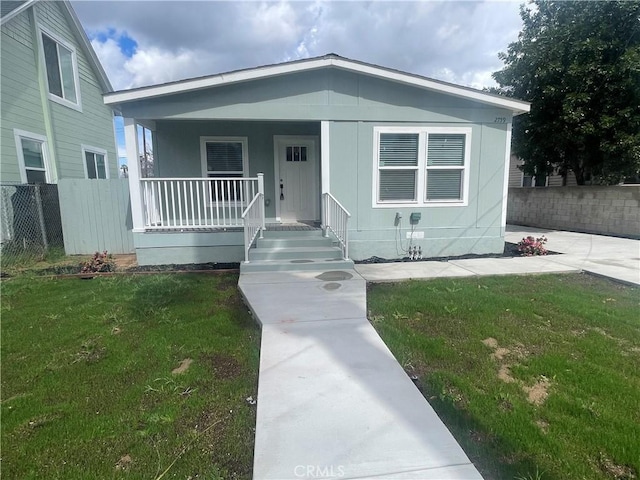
30 222
607 210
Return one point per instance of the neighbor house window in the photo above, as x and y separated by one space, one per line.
426 166
32 157
224 157
60 64
95 162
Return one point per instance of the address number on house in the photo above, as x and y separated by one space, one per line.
500 120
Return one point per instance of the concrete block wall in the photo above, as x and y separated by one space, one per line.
608 210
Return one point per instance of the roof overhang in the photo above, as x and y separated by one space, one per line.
194 84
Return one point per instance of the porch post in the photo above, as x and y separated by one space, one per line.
133 162
325 172
261 193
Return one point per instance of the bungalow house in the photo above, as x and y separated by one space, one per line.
388 163
54 122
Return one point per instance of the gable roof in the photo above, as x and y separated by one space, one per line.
10 9
327 61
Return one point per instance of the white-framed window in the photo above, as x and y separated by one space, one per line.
61 66
224 157
421 166
32 157
96 164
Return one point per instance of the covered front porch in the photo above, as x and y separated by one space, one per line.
216 186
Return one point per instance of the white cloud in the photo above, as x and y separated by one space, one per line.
452 41
146 66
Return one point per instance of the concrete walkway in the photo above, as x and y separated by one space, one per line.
332 400
612 257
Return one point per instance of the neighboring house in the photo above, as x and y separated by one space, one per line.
54 122
386 144
517 177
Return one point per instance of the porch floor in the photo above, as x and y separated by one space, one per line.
333 402
275 227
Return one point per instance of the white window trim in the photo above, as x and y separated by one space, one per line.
421 181
18 135
99 151
74 60
245 152
203 159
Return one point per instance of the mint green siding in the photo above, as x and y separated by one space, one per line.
320 95
21 103
448 231
353 104
24 108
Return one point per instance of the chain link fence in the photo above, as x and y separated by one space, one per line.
30 224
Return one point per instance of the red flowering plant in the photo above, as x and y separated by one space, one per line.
100 262
530 246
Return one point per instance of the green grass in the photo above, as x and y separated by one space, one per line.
574 337
87 383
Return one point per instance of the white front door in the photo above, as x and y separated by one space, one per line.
297 178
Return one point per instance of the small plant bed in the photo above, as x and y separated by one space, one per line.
536 377
510 250
127 376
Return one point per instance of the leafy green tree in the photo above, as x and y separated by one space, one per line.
578 63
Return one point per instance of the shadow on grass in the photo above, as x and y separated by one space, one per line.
492 456
157 293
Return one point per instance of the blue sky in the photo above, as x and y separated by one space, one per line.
147 42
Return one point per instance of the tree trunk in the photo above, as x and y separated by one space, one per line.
579 173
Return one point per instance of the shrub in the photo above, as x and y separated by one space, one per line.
100 262
530 246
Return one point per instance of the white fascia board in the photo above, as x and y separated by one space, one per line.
17 11
212 81
515 106
470 94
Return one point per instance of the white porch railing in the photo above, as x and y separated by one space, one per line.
254 223
183 203
335 219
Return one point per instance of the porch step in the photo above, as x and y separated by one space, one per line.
288 234
295 253
295 265
304 241
291 250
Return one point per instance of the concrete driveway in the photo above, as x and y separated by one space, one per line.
613 257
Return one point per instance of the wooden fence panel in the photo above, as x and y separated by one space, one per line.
96 216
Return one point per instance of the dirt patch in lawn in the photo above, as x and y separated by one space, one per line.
124 463
613 470
183 367
224 367
538 392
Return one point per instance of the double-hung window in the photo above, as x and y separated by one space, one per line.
423 166
32 157
95 162
62 71
224 158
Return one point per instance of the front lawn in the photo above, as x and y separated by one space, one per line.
127 376
536 376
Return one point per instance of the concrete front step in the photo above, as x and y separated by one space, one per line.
306 241
295 265
294 250
295 253
292 233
